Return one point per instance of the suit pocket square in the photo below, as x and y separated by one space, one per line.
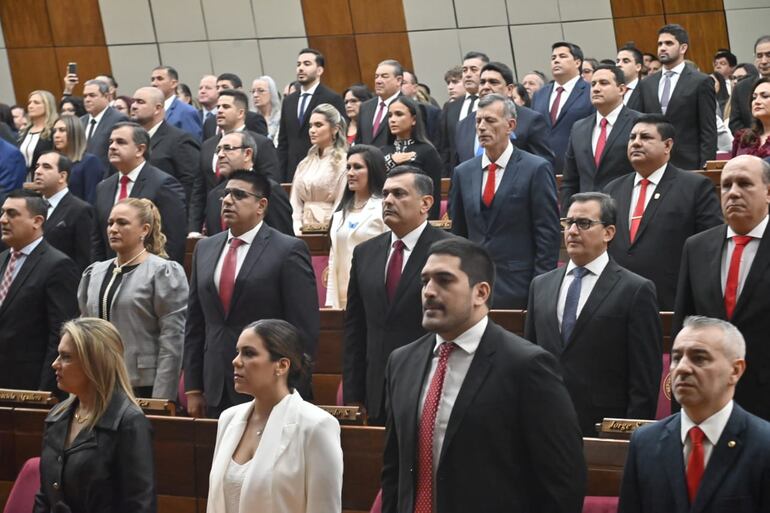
61 224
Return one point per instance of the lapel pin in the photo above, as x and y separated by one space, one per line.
657 195
731 444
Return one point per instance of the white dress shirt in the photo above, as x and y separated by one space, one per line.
54 200
612 117
502 163
654 179
240 254
630 90
457 368
132 176
464 108
674 79
387 101
568 87
747 258
151 131
97 118
712 427
311 91
596 268
409 240
168 101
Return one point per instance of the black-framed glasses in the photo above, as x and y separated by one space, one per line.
227 147
583 223
239 194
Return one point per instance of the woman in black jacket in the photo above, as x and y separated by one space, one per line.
97 445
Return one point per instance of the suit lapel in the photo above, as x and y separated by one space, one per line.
671 456
604 285
252 256
583 141
136 190
26 270
757 270
572 98
209 262
550 294
58 213
682 84
505 187
624 206
416 370
623 119
659 196
413 264
713 270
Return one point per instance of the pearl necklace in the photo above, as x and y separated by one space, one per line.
115 273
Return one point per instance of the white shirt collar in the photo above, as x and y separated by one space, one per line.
676 69
469 340
310 90
134 173
99 116
154 129
56 198
247 237
712 427
388 100
411 238
29 248
167 103
632 85
655 177
595 266
568 86
612 117
502 161
757 232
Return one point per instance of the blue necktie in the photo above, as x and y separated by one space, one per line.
302 106
570 305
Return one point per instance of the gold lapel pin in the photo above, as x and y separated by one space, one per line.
731 444
657 195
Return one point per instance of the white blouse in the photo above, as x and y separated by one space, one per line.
234 476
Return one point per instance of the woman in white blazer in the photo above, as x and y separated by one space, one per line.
357 219
277 453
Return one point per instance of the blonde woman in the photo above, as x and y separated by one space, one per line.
97 444
320 177
143 294
36 138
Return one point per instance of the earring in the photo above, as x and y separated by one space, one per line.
141 238
277 374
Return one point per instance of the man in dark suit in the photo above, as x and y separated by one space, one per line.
686 97
457 110
178 113
725 273
631 61
383 314
506 437
100 119
597 149
531 132
255 122
247 273
373 115
505 200
712 456
740 100
653 225
565 100
38 292
293 138
236 152
594 307
129 146
231 117
172 150
69 222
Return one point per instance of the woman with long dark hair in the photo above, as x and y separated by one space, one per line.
754 140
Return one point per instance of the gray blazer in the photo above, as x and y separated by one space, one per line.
149 311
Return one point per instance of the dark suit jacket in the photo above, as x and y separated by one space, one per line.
520 230
185 117
580 171
265 161
43 295
176 152
373 326
531 134
736 478
684 204
293 138
450 118
620 322
278 214
276 281
512 443
699 292
740 100
692 111
99 143
255 122
431 118
70 228
634 101
575 107
366 116
153 184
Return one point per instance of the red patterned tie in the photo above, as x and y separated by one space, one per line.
733 273
555 106
378 120
636 218
601 142
423 502
123 194
695 465
227 277
5 285
489 188
393 274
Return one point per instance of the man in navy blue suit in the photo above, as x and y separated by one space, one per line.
505 200
712 456
565 100
178 113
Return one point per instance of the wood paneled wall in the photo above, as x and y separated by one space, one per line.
354 36
704 20
42 36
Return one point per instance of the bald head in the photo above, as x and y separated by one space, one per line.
745 191
147 108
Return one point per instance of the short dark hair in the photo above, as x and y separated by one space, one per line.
172 73
138 134
635 52
574 49
523 94
676 30
475 261
35 202
455 73
501 68
724 53
476 55
360 91
422 182
232 78
620 77
76 102
282 340
593 62
258 180
239 97
608 209
652 56
662 124
751 70
319 57
64 163
760 40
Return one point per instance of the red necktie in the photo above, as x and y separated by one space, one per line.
5 285
733 273
636 218
695 464
601 142
489 188
378 119
423 502
227 277
123 194
393 275
555 106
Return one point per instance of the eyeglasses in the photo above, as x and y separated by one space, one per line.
227 147
239 194
581 222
